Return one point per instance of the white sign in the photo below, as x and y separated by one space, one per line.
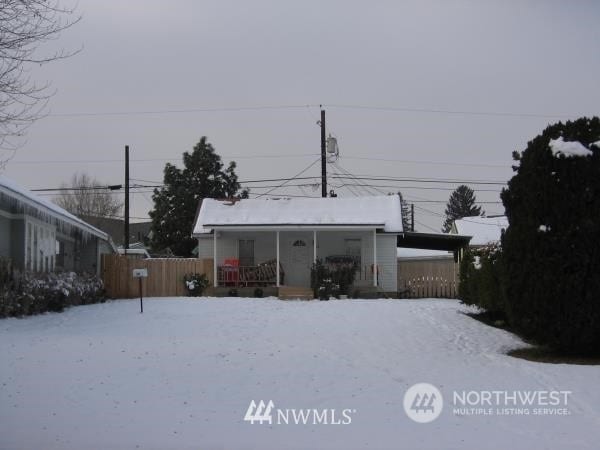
140 273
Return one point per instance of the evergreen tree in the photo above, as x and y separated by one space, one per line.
461 204
176 203
551 249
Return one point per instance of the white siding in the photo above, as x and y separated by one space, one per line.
387 262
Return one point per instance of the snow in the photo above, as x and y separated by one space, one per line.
568 148
419 253
43 207
380 211
183 374
485 230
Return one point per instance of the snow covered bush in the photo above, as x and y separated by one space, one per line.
481 279
337 271
30 293
195 283
551 249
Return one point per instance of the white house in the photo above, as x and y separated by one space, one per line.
39 236
292 233
483 230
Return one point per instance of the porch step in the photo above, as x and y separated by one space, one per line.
295 293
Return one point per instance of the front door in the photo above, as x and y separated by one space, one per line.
298 273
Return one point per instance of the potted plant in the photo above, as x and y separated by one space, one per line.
195 283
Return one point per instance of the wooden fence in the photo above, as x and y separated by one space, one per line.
428 278
165 275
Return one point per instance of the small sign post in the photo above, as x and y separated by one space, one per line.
139 274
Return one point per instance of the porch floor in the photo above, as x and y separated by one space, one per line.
282 292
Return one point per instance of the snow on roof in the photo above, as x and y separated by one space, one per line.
483 229
377 211
568 148
29 203
420 253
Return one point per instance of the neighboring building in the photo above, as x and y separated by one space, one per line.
290 234
135 251
39 236
139 232
483 230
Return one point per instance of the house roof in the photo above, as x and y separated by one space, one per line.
484 230
22 201
381 212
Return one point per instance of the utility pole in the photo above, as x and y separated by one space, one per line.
323 156
126 237
412 217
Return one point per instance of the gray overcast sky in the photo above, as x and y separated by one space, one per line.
536 60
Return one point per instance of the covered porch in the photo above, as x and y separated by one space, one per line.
246 258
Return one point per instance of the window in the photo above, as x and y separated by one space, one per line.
28 252
36 262
353 248
40 245
246 252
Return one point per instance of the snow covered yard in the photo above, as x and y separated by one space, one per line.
182 375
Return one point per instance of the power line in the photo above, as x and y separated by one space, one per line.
354 177
106 161
257 108
290 179
423 180
452 112
181 111
441 163
426 226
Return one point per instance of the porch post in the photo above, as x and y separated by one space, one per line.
215 281
277 264
375 257
314 246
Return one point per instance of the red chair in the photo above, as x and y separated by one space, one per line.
231 271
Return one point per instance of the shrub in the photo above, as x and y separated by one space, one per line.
29 293
195 283
481 279
551 249
337 271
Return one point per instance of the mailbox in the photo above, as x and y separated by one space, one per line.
140 273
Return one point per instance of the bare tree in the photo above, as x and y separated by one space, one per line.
24 26
86 196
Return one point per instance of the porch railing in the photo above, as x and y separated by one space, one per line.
264 274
